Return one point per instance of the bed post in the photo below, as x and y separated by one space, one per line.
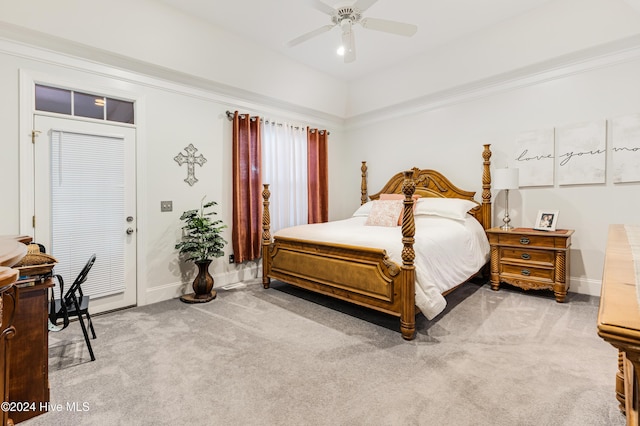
266 236
408 271
363 184
486 187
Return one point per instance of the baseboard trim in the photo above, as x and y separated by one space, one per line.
251 273
176 289
585 286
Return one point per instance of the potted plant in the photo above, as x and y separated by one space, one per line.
201 242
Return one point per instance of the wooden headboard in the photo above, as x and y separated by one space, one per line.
431 183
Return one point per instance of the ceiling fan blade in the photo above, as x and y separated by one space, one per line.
363 5
349 44
310 34
393 27
323 7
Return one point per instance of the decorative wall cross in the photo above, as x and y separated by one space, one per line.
191 161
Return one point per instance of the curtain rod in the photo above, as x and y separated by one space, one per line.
243 116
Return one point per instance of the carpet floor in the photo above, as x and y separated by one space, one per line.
284 356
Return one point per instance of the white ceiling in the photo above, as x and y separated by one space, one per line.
272 23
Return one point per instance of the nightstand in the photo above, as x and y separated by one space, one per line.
530 259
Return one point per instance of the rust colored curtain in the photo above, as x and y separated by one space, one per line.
247 188
318 175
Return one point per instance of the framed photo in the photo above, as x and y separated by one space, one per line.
546 220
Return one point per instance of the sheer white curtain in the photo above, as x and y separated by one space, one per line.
284 167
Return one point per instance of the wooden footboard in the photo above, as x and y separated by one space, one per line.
364 276
361 275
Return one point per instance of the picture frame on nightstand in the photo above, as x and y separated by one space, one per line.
546 220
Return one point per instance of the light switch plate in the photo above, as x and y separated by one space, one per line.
166 206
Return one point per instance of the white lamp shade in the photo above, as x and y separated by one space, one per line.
505 179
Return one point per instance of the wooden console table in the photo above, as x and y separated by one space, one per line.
619 319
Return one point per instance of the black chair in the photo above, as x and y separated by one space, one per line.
74 303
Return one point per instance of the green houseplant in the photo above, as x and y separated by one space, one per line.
201 242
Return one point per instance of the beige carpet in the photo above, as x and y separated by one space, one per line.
285 357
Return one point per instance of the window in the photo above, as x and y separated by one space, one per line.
53 100
79 104
88 106
121 111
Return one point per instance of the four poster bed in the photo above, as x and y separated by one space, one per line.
343 259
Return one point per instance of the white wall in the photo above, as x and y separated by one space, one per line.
449 138
151 32
174 115
558 28
151 45
567 61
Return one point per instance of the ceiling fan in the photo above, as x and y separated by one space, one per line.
346 17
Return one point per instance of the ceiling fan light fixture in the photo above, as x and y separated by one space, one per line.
346 17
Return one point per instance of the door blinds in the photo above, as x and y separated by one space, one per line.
87 209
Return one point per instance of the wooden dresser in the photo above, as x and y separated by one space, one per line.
11 251
619 319
29 379
7 332
530 259
27 354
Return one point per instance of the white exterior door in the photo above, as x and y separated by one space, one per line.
84 202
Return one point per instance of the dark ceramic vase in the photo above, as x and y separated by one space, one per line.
202 285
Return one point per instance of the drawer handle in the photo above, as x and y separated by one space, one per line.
525 272
524 240
525 256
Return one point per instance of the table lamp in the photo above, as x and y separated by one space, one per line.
506 179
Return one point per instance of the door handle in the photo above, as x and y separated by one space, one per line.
129 231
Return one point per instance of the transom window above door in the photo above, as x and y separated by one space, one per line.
71 102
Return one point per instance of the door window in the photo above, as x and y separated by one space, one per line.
79 104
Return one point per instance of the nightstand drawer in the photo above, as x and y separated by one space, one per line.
531 259
544 257
525 271
526 240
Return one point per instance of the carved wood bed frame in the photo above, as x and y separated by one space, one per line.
361 275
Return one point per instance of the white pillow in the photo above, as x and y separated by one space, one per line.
453 208
364 209
384 213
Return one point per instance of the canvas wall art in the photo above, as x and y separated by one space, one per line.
534 157
581 157
625 148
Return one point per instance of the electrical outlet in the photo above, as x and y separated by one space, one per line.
166 206
231 258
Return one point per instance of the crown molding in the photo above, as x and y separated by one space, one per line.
20 41
585 60
30 44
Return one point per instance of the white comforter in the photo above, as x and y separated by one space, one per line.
448 251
